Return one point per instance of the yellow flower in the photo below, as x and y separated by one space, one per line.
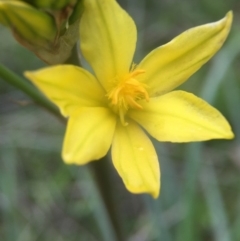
111 107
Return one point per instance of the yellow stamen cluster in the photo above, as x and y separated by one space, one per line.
126 94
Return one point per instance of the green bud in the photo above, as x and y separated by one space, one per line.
49 28
52 4
28 24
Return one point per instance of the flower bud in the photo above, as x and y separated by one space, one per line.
51 4
49 28
28 24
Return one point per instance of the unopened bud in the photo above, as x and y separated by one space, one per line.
51 4
49 28
29 25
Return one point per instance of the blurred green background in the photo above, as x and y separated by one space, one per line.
41 198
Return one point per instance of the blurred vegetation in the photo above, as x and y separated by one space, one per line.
41 198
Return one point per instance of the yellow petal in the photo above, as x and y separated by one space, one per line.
89 135
108 39
181 117
170 65
135 159
68 86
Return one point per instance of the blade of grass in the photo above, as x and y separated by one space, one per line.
231 95
212 193
9 192
187 228
160 219
99 209
236 224
220 67
159 227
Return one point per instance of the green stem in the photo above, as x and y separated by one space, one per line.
101 170
20 83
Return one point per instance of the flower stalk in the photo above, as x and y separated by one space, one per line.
20 83
103 180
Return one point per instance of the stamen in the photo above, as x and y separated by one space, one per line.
127 92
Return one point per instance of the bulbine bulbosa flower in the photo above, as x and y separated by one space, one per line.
113 107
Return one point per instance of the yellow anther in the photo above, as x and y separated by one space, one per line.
127 92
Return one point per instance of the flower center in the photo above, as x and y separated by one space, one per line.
126 94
